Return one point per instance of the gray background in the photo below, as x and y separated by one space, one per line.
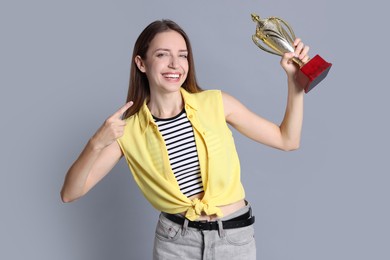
65 66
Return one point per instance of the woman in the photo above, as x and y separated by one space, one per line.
175 139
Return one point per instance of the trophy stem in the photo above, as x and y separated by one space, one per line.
298 62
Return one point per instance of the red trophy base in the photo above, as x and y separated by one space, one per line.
313 72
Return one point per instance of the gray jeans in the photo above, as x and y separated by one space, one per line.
174 240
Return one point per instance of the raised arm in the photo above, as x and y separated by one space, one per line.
285 136
99 156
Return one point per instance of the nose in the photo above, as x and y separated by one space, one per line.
173 63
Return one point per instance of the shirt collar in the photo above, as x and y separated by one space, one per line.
146 118
189 99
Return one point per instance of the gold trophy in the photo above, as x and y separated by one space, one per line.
275 36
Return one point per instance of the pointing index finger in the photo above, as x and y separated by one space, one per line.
123 109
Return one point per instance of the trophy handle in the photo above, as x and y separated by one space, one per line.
289 36
256 41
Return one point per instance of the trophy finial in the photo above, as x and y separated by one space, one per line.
255 17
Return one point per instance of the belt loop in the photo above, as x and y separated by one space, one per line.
221 231
184 227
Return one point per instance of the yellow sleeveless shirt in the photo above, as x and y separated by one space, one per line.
147 157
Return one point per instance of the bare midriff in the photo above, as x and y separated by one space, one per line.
226 209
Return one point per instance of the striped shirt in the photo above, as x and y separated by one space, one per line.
183 156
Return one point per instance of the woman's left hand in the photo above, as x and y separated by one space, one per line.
301 52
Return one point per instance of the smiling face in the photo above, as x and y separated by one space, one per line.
166 63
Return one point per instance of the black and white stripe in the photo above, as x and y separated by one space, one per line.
183 156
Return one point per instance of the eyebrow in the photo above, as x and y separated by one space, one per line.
168 50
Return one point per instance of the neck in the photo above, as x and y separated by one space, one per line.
166 106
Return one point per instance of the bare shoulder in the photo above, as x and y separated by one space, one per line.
231 105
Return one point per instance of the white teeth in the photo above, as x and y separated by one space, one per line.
175 76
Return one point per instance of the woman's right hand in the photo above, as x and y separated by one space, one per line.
111 129
98 157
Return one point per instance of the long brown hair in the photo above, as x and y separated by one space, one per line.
139 85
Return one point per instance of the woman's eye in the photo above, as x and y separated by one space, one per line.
159 55
185 56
